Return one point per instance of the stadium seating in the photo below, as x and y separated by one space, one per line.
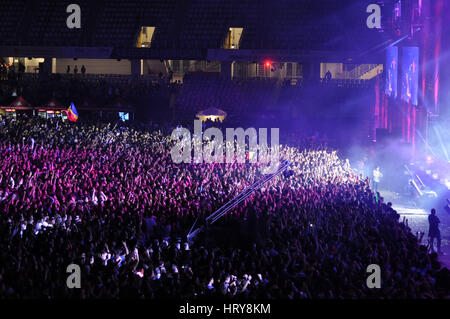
204 90
11 15
194 24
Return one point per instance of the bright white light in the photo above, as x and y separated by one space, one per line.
447 183
409 211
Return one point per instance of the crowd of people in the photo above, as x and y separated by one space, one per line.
109 198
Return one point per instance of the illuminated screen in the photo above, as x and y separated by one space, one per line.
124 116
410 74
391 71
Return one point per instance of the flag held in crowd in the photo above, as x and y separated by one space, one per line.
72 113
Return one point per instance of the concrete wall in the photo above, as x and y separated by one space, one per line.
154 66
95 66
31 65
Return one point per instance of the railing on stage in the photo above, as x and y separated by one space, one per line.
227 207
416 182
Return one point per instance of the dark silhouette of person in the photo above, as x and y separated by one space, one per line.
447 207
68 69
83 69
2 71
328 76
75 70
433 231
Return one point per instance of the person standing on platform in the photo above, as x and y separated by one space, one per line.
433 231
377 175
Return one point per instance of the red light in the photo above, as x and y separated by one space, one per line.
268 63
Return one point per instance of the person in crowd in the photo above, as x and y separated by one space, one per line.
3 71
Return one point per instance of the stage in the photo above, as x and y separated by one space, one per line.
418 220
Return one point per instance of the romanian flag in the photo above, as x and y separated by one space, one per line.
72 113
